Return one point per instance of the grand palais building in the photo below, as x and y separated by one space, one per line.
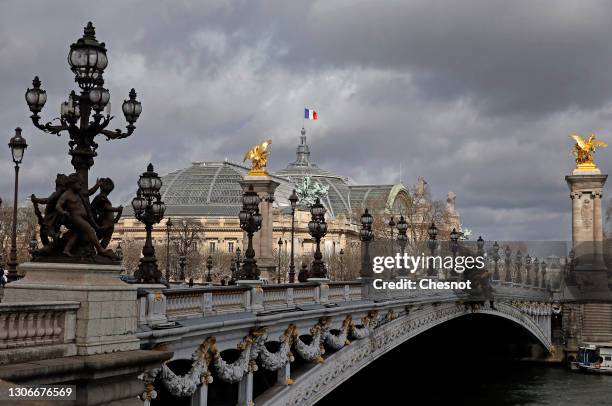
209 194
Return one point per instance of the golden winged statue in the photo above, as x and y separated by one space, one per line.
583 151
258 155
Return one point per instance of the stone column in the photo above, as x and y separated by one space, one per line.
586 189
200 397
263 241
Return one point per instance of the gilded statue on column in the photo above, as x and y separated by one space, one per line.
258 155
583 151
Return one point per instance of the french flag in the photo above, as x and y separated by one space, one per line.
310 114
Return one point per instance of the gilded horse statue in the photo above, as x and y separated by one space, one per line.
583 151
258 155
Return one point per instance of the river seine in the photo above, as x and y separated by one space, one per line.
470 361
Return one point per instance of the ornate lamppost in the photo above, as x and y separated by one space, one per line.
480 246
81 116
536 270
402 238
148 209
508 262
432 232
18 146
391 225
519 266
168 229
280 245
341 253
182 261
317 228
543 277
293 199
209 266
528 270
238 260
365 235
250 222
496 260
454 247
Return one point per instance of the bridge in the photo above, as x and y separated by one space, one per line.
313 336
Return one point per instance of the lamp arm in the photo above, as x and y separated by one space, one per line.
48 127
118 134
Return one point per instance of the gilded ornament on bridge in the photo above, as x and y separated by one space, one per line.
583 151
258 155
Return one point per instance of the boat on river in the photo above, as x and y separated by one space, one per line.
594 358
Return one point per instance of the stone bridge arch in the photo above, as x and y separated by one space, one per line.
312 385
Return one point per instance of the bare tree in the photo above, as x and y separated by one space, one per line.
27 226
186 238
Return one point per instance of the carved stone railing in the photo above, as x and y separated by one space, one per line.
163 305
160 305
36 324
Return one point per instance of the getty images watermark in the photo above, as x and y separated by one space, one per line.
410 264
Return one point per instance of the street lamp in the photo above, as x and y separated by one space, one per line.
365 235
454 246
341 253
238 263
182 263
293 199
508 262
391 225
209 266
280 245
432 232
519 266
536 270
148 209
527 270
317 227
18 146
168 229
496 260
543 277
81 116
480 246
250 222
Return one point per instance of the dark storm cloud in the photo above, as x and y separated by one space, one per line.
478 96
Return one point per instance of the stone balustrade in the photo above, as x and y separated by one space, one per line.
36 324
161 305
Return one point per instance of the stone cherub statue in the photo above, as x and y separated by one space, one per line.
72 226
106 215
583 151
258 155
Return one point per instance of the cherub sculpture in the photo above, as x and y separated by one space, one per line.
71 225
77 216
258 155
583 150
106 215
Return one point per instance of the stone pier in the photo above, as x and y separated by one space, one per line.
262 241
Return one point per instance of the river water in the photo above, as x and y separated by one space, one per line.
473 363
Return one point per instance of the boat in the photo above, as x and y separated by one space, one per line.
595 358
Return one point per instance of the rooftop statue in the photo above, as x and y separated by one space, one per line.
258 155
583 151
309 191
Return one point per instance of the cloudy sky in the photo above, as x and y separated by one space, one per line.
478 99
